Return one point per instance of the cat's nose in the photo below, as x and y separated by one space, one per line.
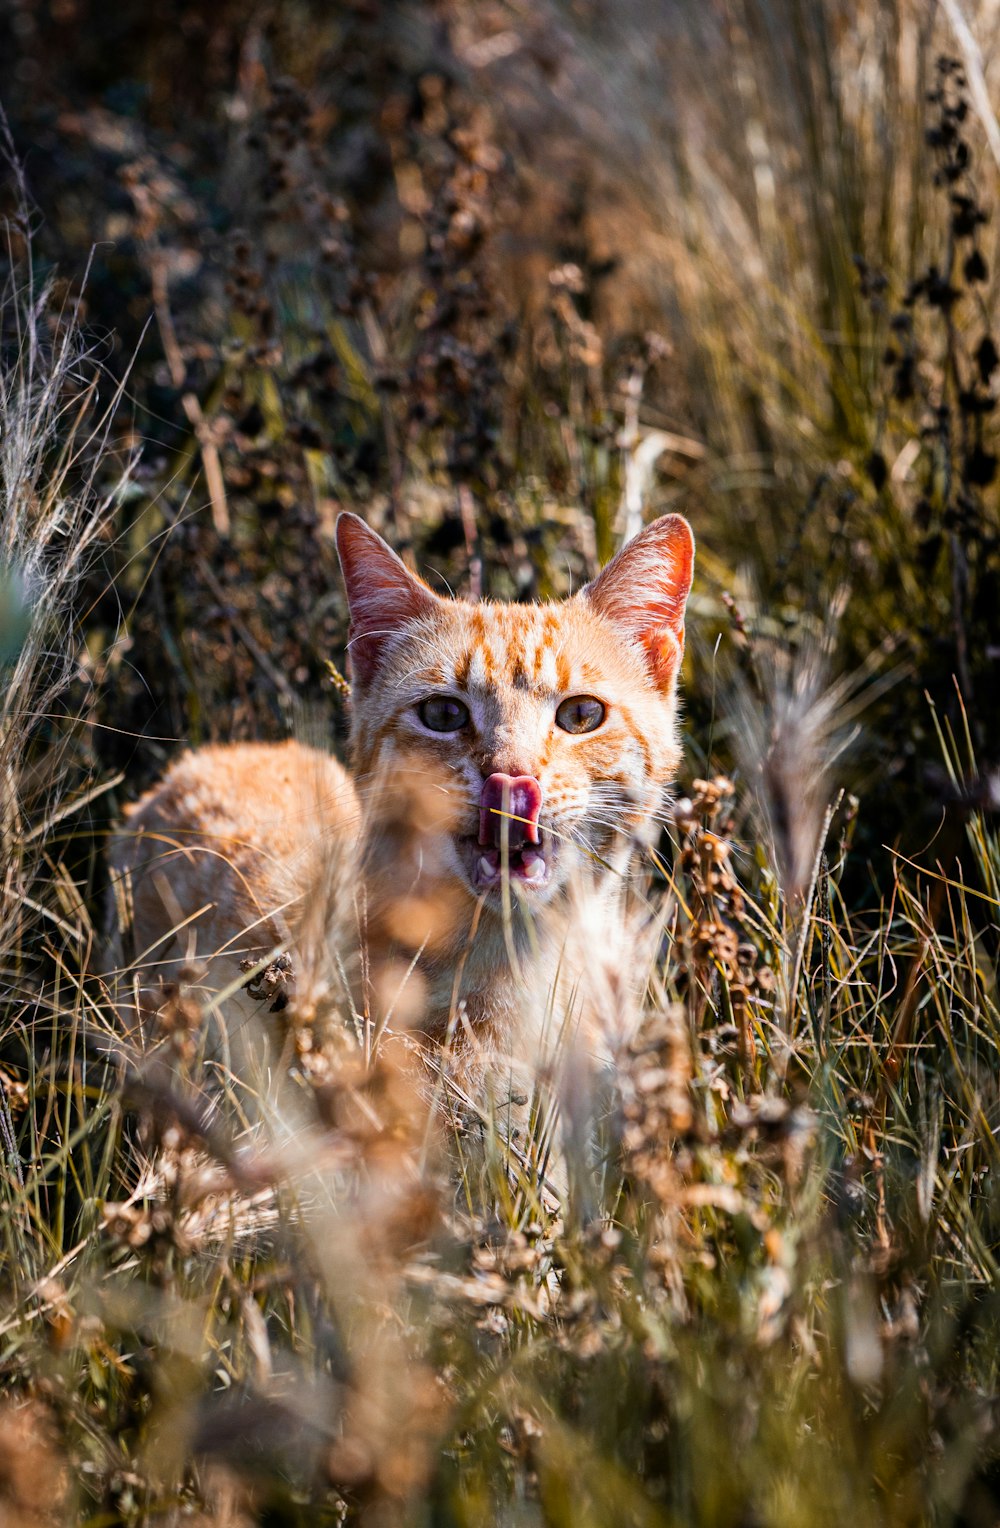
508 807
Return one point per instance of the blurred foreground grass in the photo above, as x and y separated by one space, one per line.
503 282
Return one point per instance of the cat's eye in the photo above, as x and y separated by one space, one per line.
442 713
580 713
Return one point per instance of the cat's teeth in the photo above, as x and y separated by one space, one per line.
533 866
487 869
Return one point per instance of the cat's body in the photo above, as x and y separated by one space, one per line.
507 761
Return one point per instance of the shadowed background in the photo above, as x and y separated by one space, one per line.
491 273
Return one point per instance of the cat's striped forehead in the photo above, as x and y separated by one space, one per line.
537 648
524 647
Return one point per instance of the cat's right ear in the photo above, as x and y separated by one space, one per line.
643 592
382 593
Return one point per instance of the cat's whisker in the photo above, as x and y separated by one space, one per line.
577 837
622 873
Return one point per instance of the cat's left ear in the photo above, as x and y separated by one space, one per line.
643 592
382 593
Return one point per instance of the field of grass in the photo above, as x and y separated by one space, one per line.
508 279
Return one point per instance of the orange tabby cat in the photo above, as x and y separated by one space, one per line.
507 762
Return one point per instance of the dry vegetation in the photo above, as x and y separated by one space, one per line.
504 277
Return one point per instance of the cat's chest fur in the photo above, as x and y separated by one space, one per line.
468 881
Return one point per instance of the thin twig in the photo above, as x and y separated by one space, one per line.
190 402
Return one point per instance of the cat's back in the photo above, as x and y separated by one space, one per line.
253 793
233 833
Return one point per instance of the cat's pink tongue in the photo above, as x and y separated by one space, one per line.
509 804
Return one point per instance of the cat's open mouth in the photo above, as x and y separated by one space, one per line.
528 867
510 842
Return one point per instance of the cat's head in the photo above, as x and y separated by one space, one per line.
546 733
